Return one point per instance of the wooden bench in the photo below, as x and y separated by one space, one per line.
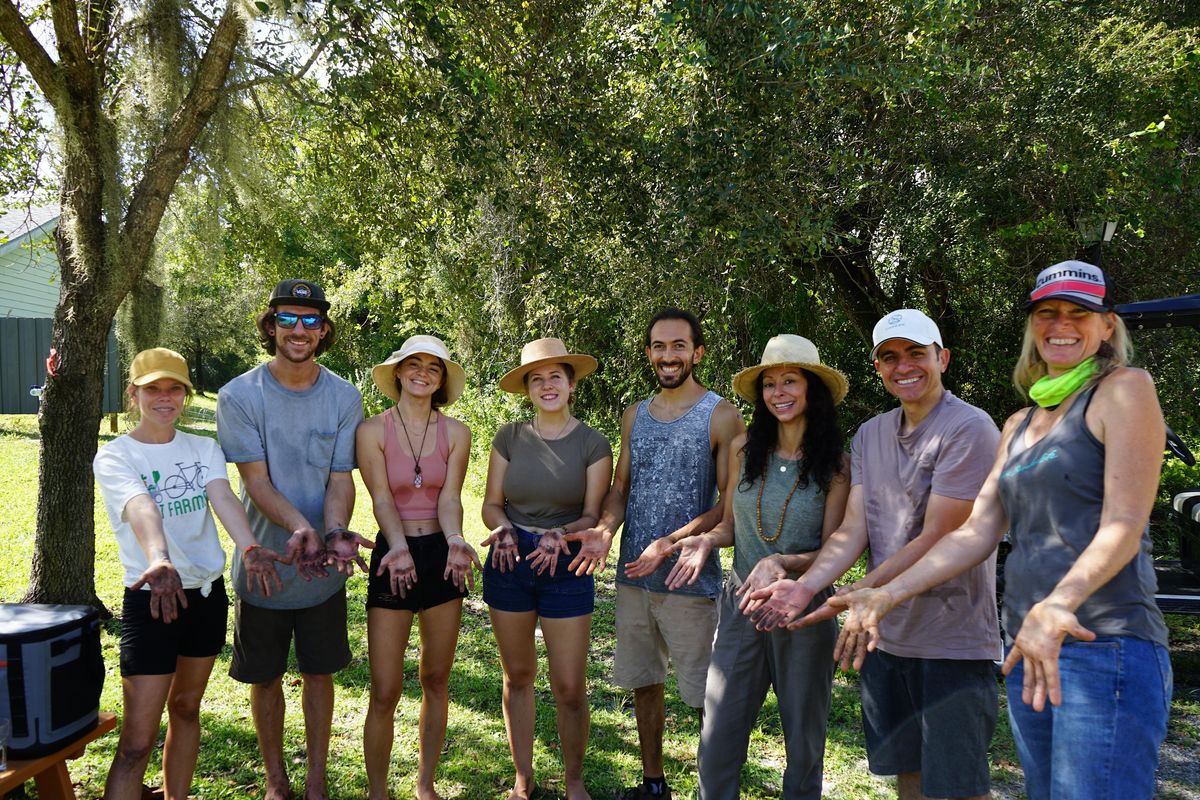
50 771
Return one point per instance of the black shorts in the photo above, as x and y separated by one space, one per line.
262 638
432 588
150 646
930 715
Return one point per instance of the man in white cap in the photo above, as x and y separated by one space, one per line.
929 694
289 426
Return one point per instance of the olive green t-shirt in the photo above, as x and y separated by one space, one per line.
545 483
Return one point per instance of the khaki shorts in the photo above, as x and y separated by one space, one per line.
653 625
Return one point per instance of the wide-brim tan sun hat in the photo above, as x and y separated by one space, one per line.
455 379
158 362
545 351
790 350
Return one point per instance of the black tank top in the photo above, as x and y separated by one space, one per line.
1053 493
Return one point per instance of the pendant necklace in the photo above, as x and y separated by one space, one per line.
762 483
557 435
416 453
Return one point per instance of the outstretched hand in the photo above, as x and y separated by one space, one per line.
503 542
306 550
860 628
693 555
341 549
593 552
261 575
651 558
778 604
545 555
397 563
765 572
1039 642
458 563
166 590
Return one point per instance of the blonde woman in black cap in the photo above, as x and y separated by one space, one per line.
788 479
157 483
413 459
546 480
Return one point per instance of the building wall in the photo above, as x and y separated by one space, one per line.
28 280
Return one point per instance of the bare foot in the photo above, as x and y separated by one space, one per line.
280 790
575 790
315 793
519 793
427 793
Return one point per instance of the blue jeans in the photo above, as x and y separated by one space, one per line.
521 589
1102 742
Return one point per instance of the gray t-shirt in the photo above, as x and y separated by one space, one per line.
950 454
303 437
802 517
546 480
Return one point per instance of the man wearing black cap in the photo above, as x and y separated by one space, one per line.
289 426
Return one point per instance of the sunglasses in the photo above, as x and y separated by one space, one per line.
288 319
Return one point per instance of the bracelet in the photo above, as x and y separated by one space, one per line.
246 550
456 536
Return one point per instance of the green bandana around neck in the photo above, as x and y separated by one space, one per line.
1049 392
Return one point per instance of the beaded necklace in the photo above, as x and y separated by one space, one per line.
762 483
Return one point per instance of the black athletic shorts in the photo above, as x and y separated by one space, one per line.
431 589
150 646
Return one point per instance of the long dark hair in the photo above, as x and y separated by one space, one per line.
822 443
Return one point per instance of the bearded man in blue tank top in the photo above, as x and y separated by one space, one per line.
674 454
929 697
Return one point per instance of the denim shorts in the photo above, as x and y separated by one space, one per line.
1102 742
150 646
935 716
521 589
432 587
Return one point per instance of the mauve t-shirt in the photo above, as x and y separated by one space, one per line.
950 454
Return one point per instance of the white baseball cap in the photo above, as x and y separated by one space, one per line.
906 323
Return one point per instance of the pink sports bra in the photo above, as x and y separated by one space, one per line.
411 502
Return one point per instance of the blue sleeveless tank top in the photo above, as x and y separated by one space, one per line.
672 481
1052 493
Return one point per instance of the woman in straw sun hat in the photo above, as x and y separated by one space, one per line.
789 481
175 608
413 459
547 478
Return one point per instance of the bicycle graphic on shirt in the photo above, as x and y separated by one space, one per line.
187 478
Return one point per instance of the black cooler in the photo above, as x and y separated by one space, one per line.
52 675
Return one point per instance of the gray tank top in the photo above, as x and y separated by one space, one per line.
1053 493
802 522
672 481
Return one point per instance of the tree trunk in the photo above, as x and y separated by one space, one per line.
69 421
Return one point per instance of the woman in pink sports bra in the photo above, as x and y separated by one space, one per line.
413 459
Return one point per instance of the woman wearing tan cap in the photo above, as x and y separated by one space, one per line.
546 479
789 481
413 459
157 483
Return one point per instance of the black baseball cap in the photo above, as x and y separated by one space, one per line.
298 292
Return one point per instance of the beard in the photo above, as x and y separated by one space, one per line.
677 380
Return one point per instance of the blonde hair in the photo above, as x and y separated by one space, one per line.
1114 353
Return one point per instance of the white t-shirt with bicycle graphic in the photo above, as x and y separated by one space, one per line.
174 476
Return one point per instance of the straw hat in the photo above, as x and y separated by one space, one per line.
788 349
545 351
384 374
158 362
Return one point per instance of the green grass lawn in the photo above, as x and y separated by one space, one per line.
475 762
